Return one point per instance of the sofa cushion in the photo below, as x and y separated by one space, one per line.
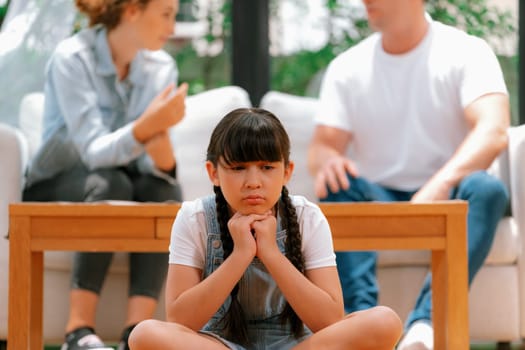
504 251
506 246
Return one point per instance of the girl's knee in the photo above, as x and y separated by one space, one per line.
385 327
144 330
388 318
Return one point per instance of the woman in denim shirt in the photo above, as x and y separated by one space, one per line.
253 267
110 100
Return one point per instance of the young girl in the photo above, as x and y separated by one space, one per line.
253 267
109 103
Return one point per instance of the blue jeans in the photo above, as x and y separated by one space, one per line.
487 200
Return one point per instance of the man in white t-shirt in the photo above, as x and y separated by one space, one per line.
416 112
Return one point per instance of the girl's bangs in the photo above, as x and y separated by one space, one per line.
249 143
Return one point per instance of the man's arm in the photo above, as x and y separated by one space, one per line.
489 118
327 161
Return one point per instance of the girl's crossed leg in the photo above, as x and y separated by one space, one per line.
378 328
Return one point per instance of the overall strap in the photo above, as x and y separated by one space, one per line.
210 211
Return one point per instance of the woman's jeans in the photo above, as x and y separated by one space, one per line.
147 270
487 201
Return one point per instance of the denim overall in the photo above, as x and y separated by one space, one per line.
261 299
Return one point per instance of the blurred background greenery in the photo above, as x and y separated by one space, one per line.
300 72
205 62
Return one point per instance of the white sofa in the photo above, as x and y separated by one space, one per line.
497 298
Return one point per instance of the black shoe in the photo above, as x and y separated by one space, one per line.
123 344
84 338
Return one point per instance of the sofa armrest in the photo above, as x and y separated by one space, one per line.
516 156
516 151
13 157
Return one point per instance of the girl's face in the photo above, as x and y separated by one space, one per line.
154 24
250 187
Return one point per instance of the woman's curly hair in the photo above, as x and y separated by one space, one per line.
106 12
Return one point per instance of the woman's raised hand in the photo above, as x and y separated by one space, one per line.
164 111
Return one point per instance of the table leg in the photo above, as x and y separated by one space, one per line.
457 303
37 300
439 299
19 284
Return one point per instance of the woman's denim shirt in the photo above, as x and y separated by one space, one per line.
88 111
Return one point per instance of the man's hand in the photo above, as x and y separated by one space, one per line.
434 190
334 175
326 160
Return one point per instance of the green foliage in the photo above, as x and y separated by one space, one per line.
299 73
204 72
201 72
473 16
3 11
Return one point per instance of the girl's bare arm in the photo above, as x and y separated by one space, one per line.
191 301
316 296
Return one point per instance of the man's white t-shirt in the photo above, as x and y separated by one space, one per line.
405 112
189 235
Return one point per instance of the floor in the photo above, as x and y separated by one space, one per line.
493 347
473 347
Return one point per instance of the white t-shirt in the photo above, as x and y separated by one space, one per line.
406 112
189 236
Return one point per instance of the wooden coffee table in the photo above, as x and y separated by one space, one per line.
128 226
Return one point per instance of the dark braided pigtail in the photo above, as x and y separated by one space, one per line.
234 321
293 253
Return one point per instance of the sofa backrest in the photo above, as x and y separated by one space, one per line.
11 165
296 114
203 111
191 136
